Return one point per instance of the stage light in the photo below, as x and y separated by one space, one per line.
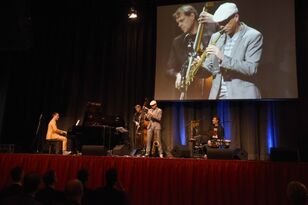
132 14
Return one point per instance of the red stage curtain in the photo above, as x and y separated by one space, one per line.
155 181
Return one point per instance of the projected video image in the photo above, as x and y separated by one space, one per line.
226 50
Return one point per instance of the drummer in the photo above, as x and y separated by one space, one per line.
216 132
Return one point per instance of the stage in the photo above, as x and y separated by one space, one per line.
173 181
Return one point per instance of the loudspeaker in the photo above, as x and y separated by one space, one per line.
227 153
94 150
279 154
181 151
240 154
121 150
216 153
133 152
7 148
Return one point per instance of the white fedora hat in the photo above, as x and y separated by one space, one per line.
224 11
153 102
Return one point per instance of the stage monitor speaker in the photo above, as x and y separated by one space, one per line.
133 152
216 153
227 153
96 150
7 148
121 150
279 154
181 151
240 154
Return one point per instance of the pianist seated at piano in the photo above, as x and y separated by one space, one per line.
54 133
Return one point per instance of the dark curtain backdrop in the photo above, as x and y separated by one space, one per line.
70 52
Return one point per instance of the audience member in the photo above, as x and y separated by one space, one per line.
83 176
73 192
112 193
31 184
49 195
297 193
15 187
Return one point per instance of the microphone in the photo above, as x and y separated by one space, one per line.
222 31
38 124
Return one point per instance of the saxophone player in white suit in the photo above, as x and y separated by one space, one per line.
154 115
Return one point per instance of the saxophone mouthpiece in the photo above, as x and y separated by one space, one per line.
222 31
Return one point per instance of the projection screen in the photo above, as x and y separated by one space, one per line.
267 31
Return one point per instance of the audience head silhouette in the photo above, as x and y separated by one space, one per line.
31 183
297 193
74 190
83 175
49 178
111 176
17 174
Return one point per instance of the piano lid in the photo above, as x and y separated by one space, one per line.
93 114
95 117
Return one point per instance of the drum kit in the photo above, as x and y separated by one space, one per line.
200 149
219 143
199 142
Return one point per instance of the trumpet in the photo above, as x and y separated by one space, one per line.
196 66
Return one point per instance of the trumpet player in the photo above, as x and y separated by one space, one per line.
154 116
234 57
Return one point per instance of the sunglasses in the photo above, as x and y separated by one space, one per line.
225 22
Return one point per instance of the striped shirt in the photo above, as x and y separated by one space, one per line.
227 52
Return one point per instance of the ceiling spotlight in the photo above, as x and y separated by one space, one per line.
132 14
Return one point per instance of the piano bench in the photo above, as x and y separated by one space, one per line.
54 146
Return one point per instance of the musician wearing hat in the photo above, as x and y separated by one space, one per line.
233 56
154 116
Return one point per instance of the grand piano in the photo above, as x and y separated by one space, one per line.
98 129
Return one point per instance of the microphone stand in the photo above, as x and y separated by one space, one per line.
36 140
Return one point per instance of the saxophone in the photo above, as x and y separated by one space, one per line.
196 66
186 67
155 145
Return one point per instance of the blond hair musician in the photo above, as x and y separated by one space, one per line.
154 115
54 133
186 18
